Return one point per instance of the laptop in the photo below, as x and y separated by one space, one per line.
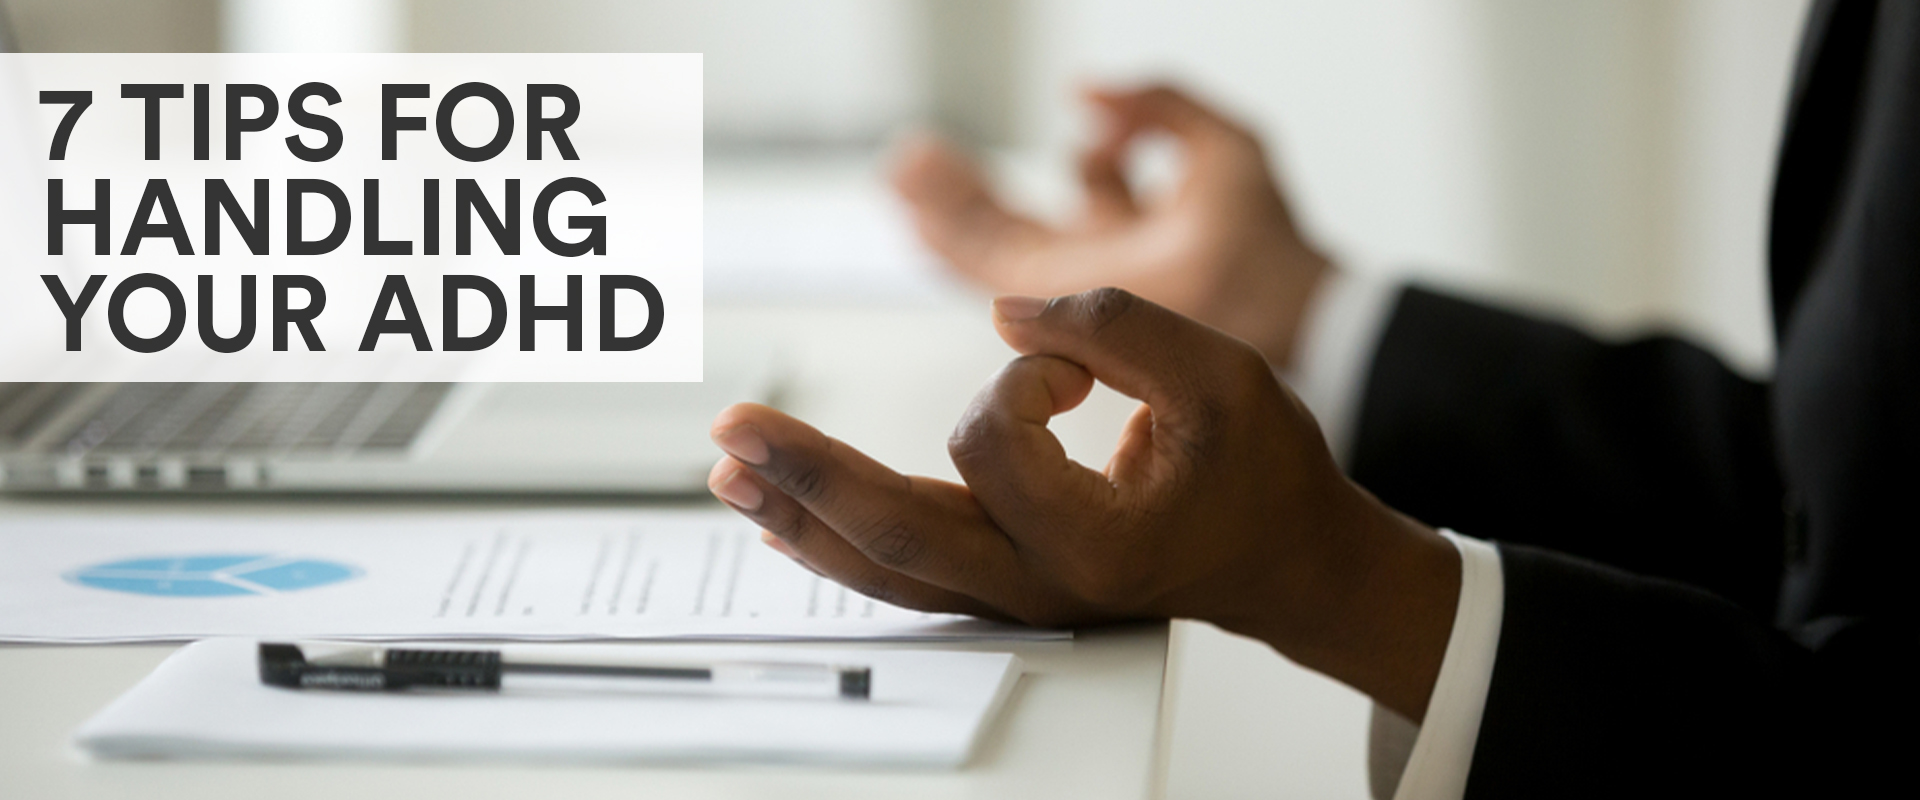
591 438
619 438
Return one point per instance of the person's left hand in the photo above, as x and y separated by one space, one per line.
1221 503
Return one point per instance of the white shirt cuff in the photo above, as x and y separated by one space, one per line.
1443 752
1338 336
1338 333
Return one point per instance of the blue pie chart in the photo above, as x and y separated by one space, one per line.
213 575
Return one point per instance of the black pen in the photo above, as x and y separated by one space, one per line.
372 668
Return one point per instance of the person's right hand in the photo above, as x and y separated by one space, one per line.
1222 248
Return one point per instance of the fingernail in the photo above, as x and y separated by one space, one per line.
743 442
739 490
1017 308
778 545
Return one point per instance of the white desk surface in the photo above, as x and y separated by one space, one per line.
1086 719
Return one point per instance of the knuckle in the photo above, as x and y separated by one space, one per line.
981 450
893 544
974 439
804 481
1249 362
1249 374
787 522
969 432
1095 309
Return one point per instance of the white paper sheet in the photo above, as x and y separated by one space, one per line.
508 575
206 701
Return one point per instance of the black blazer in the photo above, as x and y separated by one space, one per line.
1709 581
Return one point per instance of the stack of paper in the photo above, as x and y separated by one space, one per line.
632 575
928 709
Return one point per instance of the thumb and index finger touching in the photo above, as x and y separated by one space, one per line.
1141 349
1003 447
1212 142
959 216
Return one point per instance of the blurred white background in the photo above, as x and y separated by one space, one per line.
1605 159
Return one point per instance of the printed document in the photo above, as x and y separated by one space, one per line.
206 701
534 575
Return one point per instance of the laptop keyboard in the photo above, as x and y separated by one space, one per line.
26 407
216 419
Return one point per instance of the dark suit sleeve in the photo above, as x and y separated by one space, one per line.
1608 684
1648 455
1659 671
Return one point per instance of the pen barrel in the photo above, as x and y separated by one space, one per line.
442 669
751 679
781 678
